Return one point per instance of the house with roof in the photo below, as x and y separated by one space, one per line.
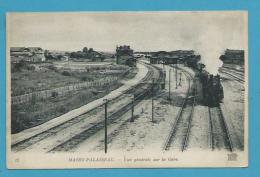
29 54
96 56
87 55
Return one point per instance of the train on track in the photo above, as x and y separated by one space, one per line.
211 87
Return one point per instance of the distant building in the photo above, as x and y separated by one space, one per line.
29 54
96 56
37 54
57 55
233 57
64 58
88 54
162 57
125 56
172 57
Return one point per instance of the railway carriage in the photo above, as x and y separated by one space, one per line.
212 90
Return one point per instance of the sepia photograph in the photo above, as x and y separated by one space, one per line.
127 89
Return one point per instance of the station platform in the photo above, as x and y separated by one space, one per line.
127 84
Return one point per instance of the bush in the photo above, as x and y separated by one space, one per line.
22 65
33 101
84 78
51 67
54 94
66 73
61 109
18 66
30 67
83 98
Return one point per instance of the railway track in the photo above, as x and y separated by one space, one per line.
219 133
74 141
235 72
139 91
238 78
180 132
242 70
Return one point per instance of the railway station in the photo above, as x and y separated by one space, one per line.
166 95
130 87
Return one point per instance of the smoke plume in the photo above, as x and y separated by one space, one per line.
210 46
210 37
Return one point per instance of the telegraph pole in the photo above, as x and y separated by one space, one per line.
180 79
132 116
105 125
152 100
170 84
164 80
176 74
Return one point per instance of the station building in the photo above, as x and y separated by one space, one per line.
236 57
173 57
125 56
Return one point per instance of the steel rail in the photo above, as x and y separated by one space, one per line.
171 136
233 69
233 76
241 74
229 141
211 130
225 129
187 134
50 132
77 139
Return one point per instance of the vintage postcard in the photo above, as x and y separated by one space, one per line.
127 89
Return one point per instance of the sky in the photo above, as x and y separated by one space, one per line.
149 31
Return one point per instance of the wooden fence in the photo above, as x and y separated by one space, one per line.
61 90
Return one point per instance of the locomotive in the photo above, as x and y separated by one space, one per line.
211 89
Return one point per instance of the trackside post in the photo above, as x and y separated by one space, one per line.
106 101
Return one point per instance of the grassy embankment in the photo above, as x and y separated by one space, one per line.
42 77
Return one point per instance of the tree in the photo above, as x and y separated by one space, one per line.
90 50
73 55
102 57
47 55
46 52
59 57
85 50
17 67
